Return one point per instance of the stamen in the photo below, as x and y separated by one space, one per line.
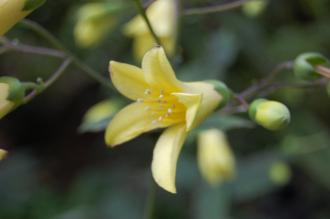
139 100
147 92
170 110
161 96
160 118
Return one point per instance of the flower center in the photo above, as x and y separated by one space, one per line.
164 108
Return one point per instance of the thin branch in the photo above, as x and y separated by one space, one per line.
20 47
324 71
250 91
142 12
57 44
58 73
214 8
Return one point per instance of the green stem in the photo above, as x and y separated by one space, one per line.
30 85
41 87
142 12
214 8
150 204
57 44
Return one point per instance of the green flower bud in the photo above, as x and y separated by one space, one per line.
11 94
304 65
16 90
223 90
271 115
280 173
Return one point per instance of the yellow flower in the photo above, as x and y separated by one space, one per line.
3 154
215 158
162 16
5 105
94 21
12 11
161 101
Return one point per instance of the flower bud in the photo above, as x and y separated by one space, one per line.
3 154
280 173
223 90
304 65
100 111
11 11
93 22
215 158
11 94
253 8
271 115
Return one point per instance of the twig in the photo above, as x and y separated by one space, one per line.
214 8
303 85
250 91
57 44
324 71
20 47
58 73
142 12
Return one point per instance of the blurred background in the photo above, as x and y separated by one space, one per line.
59 167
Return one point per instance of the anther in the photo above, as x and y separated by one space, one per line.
161 96
147 92
170 110
139 100
160 118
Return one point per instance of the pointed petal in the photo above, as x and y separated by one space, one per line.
128 79
192 102
165 156
129 123
158 71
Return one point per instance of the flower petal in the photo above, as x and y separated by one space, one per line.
165 156
128 79
158 71
129 123
192 103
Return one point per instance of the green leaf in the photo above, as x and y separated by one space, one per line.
31 5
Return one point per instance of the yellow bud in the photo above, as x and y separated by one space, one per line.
254 7
12 11
215 158
280 173
3 154
100 111
94 21
271 115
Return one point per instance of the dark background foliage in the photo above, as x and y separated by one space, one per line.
54 171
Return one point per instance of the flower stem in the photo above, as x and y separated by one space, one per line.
214 8
150 204
57 44
58 73
142 12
